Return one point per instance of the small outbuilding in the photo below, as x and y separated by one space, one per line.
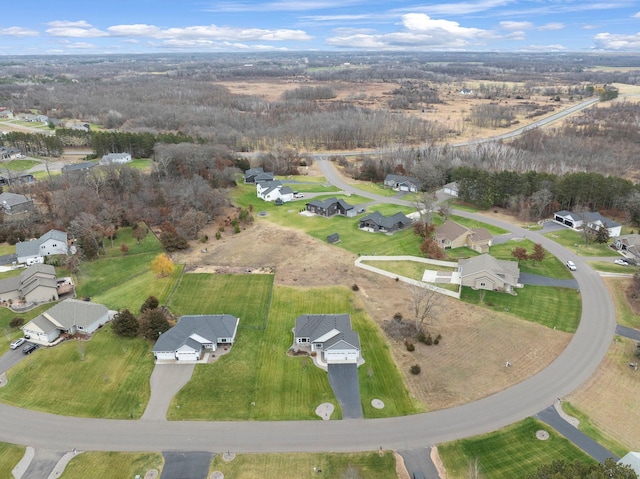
333 238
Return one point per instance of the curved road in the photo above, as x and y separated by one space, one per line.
576 363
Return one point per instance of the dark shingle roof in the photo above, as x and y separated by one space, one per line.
211 327
314 326
387 222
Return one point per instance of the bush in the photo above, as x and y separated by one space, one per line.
125 324
150 303
355 287
204 238
397 317
415 369
218 235
428 340
16 322
410 346
421 337
437 340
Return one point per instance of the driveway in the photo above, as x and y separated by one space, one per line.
186 465
344 382
166 380
419 460
11 358
628 332
534 279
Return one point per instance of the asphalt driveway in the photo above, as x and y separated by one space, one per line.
534 279
344 382
186 465
166 381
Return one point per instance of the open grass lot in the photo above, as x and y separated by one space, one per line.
550 266
611 267
376 188
244 296
469 223
410 269
624 314
574 242
148 244
8 334
301 466
10 455
557 308
512 452
6 248
258 369
111 382
112 464
144 164
20 165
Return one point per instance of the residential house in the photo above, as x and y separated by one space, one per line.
78 168
628 245
274 190
10 153
587 219
51 243
16 179
631 459
115 159
256 175
193 335
6 114
14 204
36 284
70 316
328 335
451 189
402 183
330 207
451 235
487 272
376 222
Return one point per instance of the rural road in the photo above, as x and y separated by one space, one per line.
574 366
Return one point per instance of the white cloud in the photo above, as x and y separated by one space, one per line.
233 34
210 45
67 23
459 8
279 6
516 25
419 22
79 29
18 32
551 26
80 45
637 15
545 48
135 30
613 41
517 36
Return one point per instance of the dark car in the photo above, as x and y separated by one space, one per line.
29 348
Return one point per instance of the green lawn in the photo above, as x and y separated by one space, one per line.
550 266
376 188
512 452
624 315
369 465
10 455
144 164
410 269
20 165
8 334
469 223
574 242
112 381
558 308
611 267
257 380
112 464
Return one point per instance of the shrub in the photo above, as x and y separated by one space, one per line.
236 228
421 337
204 238
355 287
218 235
415 369
125 324
397 317
410 346
16 322
436 341
150 303
124 249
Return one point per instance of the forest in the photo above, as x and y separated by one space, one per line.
194 114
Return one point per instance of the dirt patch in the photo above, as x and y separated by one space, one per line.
469 362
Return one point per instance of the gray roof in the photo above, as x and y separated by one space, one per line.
401 179
79 166
387 221
508 270
211 327
42 323
450 230
32 248
631 459
73 312
588 216
33 276
325 204
108 158
13 199
314 326
54 235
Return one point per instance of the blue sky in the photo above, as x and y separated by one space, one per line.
30 27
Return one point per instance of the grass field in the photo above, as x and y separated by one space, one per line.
20 165
469 223
550 266
410 269
10 455
624 314
368 465
574 242
258 369
558 308
112 464
6 248
512 452
105 377
611 267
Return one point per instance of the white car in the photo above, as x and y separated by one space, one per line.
571 265
17 343
621 262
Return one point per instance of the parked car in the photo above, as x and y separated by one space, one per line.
298 195
17 343
571 265
621 262
29 348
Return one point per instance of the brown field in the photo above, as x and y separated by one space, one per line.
468 364
450 112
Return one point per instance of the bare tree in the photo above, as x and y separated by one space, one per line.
424 303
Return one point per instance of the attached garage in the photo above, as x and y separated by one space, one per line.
187 353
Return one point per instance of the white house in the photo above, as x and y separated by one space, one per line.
631 459
451 189
70 316
274 190
330 336
193 335
115 159
402 183
587 219
51 243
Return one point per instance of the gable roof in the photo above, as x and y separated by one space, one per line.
507 270
32 277
78 166
13 199
480 234
191 330
32 248
401 179
631 459
589 216
73 312
450 230
328 329
387 221
326 203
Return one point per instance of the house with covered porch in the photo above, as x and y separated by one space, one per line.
329 336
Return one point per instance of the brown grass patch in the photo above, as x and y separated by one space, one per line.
468 364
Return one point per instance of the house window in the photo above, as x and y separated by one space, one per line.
317 345
303 340
482 284
223 340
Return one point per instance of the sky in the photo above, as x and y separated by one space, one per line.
38 27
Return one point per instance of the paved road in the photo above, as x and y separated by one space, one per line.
573 367
344 382
577 437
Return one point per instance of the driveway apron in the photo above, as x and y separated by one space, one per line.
186 465
166 381
534 279
344 382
